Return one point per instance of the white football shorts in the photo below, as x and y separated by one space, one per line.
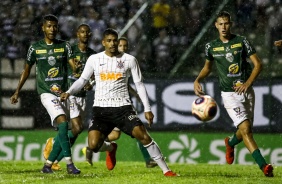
54 106
77 107
239 107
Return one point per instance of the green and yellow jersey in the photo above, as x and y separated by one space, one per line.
82 57
231 60
51 65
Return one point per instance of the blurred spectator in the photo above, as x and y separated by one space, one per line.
274 28
163 60
160 12
245 11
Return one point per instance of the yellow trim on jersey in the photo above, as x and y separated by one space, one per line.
59 50
78 57
218 49
236 45
41 51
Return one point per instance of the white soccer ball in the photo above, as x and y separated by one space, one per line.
204 108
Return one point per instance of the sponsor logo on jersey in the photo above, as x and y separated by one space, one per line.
59 50
120 64
117 99
50 52
51 60
55 88
218 49
53 72
41 51
218 55
237 83
233 69
110 76
236 45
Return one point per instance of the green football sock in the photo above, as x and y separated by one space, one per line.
233 141
64 139
259 158
144 151
55 150
72 139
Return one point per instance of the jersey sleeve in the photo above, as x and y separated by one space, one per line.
248 47
31 58
70 53
135 71
208 54
89 68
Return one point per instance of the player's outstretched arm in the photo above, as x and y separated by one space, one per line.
24 76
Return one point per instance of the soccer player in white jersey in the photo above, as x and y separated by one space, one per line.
112 105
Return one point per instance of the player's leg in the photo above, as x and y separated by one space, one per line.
132 125
242 115
148 160
100 127
57 110
114 135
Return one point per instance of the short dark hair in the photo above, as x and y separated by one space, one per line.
83 24
50 17
110 31
123 38
223 14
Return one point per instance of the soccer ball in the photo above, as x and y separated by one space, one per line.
204 108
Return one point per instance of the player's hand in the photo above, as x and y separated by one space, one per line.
241 89
149 117
198 89
87 87
64 96
14 98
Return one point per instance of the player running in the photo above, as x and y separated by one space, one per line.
112 105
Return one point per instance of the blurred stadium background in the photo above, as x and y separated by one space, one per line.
170 53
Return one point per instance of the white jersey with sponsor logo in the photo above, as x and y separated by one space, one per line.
111 76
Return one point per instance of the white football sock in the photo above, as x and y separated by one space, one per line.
155 153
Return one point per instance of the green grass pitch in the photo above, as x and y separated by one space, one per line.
136 172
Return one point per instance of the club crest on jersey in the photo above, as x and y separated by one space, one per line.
229 57
51 60
120 64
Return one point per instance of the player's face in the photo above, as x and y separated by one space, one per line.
84 34
50 29
122 46
110 42
223 25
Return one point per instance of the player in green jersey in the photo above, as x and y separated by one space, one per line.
51 57
77 102
229 53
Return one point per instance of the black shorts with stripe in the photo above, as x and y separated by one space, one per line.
105 119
